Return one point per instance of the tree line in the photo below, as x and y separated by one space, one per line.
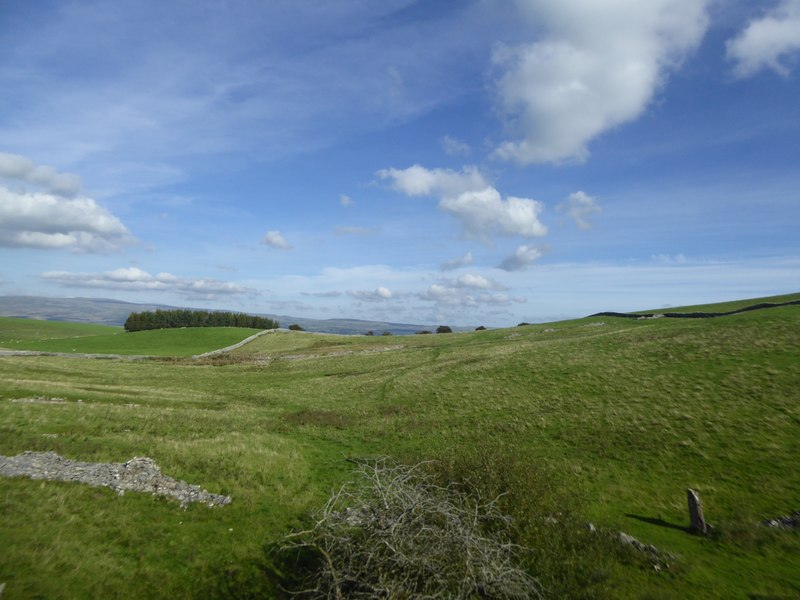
166 319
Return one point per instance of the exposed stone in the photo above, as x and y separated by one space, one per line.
136 475
791 521
697 521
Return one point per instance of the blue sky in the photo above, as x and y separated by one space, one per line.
464 162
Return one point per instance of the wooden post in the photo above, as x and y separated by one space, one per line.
698 522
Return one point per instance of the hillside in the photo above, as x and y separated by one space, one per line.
104 311
601 420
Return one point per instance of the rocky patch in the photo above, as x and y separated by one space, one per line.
135 475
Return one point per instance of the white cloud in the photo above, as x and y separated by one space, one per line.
471 280
41 220
467 196
454 147
522 258
20 168
419 181
483 212
275 239
597 65
346 201
135 279
378 295
580 206
456 263
769 42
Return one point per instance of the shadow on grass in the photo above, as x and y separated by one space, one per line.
659 522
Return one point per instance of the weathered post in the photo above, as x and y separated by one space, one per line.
698 522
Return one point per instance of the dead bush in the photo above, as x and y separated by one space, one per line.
393 533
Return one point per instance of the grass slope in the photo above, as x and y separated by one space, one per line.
617 416
15 331
100 339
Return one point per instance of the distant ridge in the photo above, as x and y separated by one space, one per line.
106 311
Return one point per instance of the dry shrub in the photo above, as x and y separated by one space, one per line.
394 533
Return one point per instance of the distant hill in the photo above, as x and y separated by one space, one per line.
104 311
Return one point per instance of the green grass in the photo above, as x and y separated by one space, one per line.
727 306
15 331
602 419
114 340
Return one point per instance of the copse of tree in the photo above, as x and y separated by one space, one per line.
443 329
169 319
295 327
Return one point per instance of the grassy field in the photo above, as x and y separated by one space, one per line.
76 338
21 331
600 420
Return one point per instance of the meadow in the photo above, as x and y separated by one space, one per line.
599 420
81 338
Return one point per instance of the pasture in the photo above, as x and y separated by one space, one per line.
600 420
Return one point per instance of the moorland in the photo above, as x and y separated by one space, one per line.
602 420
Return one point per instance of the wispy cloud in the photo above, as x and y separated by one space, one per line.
136 280
346 201
455 147
523 257
580 206
457 263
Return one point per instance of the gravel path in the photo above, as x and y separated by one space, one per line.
136 475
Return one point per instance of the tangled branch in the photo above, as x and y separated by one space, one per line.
394 533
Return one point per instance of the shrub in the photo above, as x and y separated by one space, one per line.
443 329
394 533
295 327
480 328
423 332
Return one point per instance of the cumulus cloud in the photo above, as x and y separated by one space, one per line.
580 206
20 168
467 196
471 280
419 181
346 201
597 65
379 295
135 279
454 147
275 239
522 258
457 263
47 221
769 42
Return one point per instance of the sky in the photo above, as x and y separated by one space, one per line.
460 162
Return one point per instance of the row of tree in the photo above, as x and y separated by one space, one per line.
166 319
